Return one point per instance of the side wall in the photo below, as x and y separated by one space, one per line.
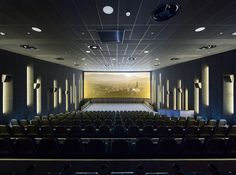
16 65
219 65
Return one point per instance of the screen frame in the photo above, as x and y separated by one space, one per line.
150 72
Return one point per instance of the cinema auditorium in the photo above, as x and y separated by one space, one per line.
117 87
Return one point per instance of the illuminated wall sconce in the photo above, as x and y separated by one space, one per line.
6 78
198 85
180 90
37 85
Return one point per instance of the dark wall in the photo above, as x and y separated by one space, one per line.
220 64
15 64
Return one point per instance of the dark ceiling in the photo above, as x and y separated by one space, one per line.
70 26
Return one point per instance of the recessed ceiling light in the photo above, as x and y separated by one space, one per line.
26 46
157 59
113 59
108 10
36 29
158 64
146 51
85 64
94 47
76 64
174 59
59 59
128 13
221 33
88 51
152 33
234 34
82 33
83 59
2 33
199 29
28 33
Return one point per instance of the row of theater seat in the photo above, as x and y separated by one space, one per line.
116 131
117 148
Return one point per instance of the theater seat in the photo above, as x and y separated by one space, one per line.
191 147
120 149
119 131
73 148
148 131
163 131
104 131
133 131
96 149
191 131
205 131
167 147
215 147
47 147
75 131
144 148
177 131
89 131
32 131
4 131
6 148
232 131
220 131
17 131
24 147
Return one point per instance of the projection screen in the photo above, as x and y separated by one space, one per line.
116 85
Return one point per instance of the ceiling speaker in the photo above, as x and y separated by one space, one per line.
228 78
37 85
6 78
198 85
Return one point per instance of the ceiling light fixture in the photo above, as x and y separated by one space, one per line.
175 59
76 64
108 10
158 64
199 29
94 47
157 59
26 46
88 51
113 59
128 13
146 51
131 59
36 29
2 33
59 59
234 34
207 47
83 59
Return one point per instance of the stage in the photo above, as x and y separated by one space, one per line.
117 107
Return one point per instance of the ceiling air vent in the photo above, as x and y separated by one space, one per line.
111 35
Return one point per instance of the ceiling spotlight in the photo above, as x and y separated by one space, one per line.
131 59
234 34
94 47
152 33
26 46
221 33
174 59
157 59
82 33
2 33
83 59
88 51
113 59
36 29
128 13
85 64
108 10
76 64
207 47
146 51
28 33
158 64
199 29
59 59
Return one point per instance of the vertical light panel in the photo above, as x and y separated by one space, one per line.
39 97
179 95
158 96
67 96
7 99
75 96
196 97
29 85
186 99
73 86
60 95
174 98
71 94
55 95
205 85
163 95
228 95
167 94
